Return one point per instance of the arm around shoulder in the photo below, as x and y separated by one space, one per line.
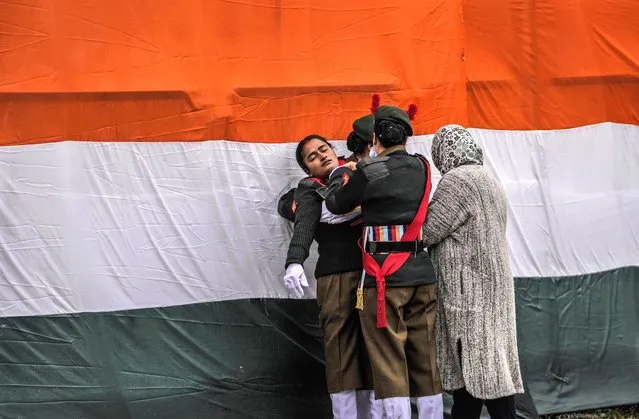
448 209
345 190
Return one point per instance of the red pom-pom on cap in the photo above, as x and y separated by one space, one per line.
412 111
375 102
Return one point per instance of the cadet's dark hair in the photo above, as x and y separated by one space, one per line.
390 133
355 143
300 149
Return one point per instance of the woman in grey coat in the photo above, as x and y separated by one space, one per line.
465 231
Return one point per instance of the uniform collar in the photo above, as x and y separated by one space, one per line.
392 149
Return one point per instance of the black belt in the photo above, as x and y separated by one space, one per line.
394 247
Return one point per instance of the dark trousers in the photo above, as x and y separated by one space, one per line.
466 406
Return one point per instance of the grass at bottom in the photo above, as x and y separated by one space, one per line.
626 412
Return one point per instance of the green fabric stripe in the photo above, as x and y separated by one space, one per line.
579 343
235 359
579 339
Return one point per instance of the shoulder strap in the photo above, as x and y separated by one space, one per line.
313 182
420 217
374 168
316 184
366 161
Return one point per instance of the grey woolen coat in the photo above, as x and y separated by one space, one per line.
465 230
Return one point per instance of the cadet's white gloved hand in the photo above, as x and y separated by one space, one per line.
295 279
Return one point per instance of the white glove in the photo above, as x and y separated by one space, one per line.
295 279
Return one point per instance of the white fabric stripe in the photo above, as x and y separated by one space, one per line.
89 226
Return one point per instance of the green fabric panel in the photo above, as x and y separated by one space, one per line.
579 344
579 339
234 359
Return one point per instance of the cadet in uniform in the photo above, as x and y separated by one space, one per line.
399 290
359 142
338 270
